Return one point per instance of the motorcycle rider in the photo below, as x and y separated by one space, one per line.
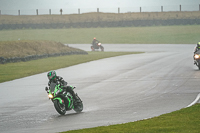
54 78
197 47
95 42
195 50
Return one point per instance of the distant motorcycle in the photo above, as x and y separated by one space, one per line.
63 101
197 59
97 46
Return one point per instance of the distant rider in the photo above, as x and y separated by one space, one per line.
53 78
95 42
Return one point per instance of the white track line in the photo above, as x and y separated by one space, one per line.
195 101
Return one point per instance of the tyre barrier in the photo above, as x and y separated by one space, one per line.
35 57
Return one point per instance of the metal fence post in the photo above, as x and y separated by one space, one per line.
61 11
79 11
98 10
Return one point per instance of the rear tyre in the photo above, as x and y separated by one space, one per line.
92 48
60 108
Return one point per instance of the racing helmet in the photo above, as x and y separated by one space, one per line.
51 75
198 43
94 38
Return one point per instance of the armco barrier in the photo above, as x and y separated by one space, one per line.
35 57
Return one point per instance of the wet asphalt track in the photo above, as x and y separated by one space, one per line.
114 90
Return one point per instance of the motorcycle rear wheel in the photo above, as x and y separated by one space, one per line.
60 108
92 48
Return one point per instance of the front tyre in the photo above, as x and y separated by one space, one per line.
60 108
198 67
197 62
79 107
102 48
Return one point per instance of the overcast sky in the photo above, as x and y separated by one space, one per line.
87 4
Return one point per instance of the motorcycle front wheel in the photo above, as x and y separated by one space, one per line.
102 48
198 66
79 107
60 108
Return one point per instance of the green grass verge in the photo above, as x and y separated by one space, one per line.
183 121
17 70
128 35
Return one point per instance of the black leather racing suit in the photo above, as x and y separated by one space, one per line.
94 43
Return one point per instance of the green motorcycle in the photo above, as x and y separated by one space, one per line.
197 59
62 100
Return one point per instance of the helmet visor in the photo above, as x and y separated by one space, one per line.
50 77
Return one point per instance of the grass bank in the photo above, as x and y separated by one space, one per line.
123 35
97 17
26 48
183 121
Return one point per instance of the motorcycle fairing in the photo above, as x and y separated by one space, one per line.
70 100
59 99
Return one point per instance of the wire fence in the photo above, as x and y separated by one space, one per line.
104 10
